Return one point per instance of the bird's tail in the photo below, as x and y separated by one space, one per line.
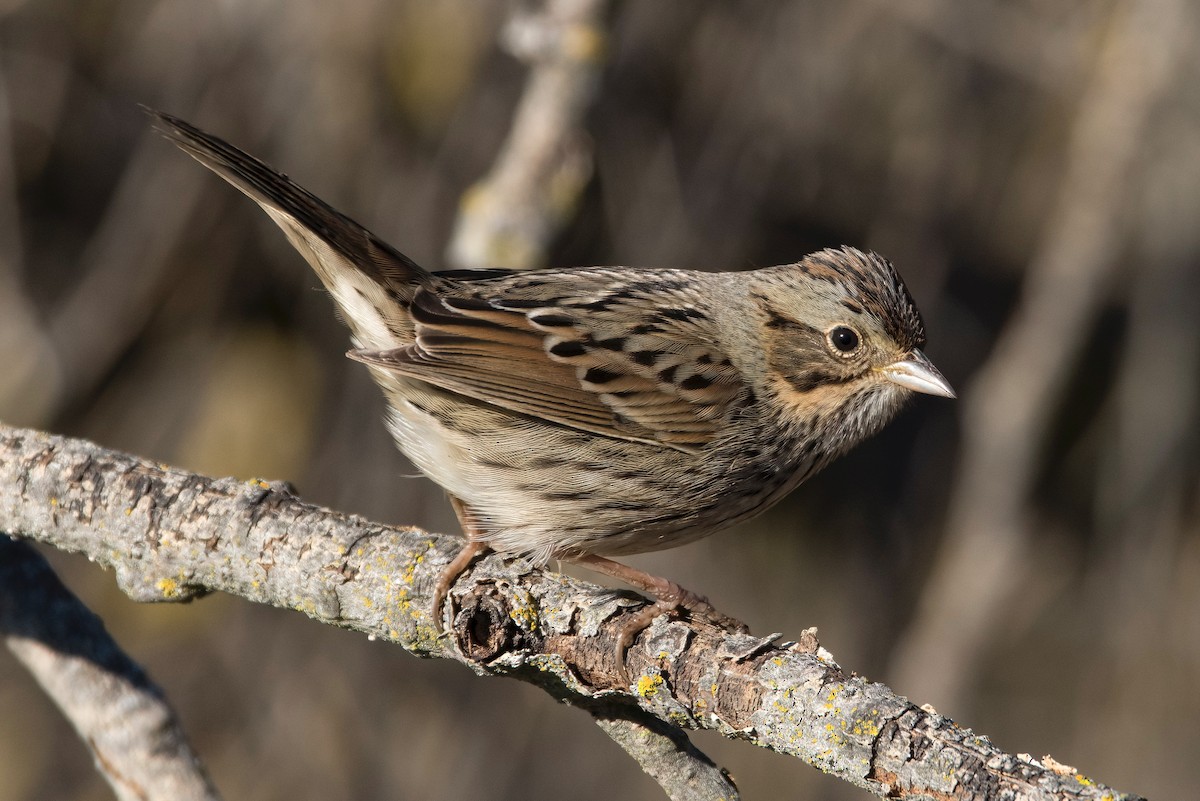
372 282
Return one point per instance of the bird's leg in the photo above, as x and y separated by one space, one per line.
474 546
669 598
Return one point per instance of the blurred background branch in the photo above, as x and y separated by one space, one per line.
135 739
145 306
510 217
988 547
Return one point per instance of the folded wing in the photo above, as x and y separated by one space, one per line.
614 362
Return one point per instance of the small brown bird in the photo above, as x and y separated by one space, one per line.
587 413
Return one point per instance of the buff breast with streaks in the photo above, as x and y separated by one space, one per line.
593 412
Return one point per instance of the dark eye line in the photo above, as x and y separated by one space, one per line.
777 320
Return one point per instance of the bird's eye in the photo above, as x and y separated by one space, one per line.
844 339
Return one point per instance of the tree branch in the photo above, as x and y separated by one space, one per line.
136 741
171 535
666 755
509 218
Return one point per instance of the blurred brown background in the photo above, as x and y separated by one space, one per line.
1026 558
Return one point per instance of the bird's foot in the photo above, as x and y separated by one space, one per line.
457 565
670 599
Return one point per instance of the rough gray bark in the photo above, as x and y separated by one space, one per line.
170 535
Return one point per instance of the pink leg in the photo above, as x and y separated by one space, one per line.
669 599
474 546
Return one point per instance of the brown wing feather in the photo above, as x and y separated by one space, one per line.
595 370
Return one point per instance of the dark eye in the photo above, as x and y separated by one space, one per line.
844 339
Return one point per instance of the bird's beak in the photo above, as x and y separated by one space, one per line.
918 374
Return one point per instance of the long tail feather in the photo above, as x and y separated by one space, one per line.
371 281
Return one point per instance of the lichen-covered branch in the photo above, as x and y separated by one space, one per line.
171 535
135 738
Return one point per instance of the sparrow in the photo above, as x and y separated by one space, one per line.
581 414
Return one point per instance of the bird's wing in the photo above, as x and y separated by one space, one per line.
631 360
